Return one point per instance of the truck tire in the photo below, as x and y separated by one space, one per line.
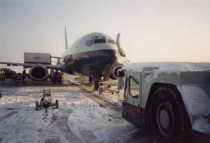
56 104
37 105
165 118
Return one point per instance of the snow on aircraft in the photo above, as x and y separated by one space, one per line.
95 55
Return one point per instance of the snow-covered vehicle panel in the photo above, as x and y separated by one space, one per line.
188 81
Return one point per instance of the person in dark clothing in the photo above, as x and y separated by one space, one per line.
24 75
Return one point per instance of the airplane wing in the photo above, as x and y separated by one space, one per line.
58 67
16 64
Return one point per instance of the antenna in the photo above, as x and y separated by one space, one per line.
66 39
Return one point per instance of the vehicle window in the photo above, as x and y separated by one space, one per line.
134 87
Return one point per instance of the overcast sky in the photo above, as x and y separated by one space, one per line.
151 30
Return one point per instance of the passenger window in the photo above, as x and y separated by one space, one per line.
134 87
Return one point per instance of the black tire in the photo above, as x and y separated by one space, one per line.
3 78
56 104
96 85
37 105
165 117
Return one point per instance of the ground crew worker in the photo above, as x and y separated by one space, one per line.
24 76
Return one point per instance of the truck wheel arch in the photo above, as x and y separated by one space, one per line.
184 117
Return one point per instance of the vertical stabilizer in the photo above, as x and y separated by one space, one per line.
66 39
120 49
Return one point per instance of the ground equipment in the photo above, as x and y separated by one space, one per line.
46 101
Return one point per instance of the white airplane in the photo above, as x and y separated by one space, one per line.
95 55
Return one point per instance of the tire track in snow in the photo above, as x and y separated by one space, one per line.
66 131
100 100
8 115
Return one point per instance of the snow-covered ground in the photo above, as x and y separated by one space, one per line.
78 119
96 124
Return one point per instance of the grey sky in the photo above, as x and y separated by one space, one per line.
151 30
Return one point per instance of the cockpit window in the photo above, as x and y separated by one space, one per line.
111 41
99 41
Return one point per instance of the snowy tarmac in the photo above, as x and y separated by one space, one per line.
79 119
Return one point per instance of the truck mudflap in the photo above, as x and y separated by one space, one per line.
196 98
133 114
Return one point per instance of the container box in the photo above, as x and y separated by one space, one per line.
37 58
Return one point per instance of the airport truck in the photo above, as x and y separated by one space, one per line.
168 98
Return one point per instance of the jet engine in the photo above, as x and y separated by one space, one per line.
38 73
117 72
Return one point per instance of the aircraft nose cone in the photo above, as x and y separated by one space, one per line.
93 61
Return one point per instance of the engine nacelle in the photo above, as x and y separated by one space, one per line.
117 72
38 73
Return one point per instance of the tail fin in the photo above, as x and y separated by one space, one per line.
120 49
66 39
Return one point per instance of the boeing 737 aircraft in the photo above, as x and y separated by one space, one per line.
95 55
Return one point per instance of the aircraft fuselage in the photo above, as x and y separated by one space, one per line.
92 55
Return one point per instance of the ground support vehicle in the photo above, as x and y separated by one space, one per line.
56 77
168 98
2 76
7 73
46 102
